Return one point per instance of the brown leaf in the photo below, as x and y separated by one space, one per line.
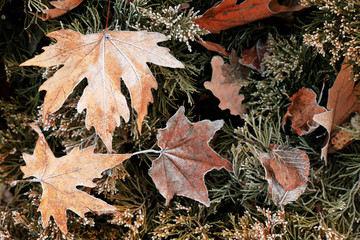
302 111
211 46
61 7
254 57
287 171
342 102
185 158
228 14
343 137
6 196
225 85
340 139
60 176
103 59
184 6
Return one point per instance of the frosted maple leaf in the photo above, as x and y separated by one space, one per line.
103 59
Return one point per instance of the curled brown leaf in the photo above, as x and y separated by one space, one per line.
287 171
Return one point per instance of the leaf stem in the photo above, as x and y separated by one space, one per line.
147 151
107 16
13 183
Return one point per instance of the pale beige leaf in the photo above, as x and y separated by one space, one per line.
225 85
103 59
60 176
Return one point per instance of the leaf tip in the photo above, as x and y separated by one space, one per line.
218 124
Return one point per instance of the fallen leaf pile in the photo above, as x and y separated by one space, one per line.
186 157
184 160
110 58
343 100
103 59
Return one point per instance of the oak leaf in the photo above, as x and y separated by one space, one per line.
61 8
185 158
302 110
287 171
342 102
226 83
228 14
60 176
103 59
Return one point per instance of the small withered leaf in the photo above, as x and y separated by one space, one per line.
301 112
287 171
226 83
255 56
61 8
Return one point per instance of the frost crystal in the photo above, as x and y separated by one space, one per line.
174 22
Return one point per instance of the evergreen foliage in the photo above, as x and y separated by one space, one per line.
241 207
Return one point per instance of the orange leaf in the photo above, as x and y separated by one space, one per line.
302 111
225 85
228 14
287 171
185 158
211 46
61 7
340 139
60 176
342 102
103 59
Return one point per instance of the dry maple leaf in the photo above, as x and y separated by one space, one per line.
61 7
287 171
228 14
302 110
226 83
103 59
60 176
185 158
342 102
